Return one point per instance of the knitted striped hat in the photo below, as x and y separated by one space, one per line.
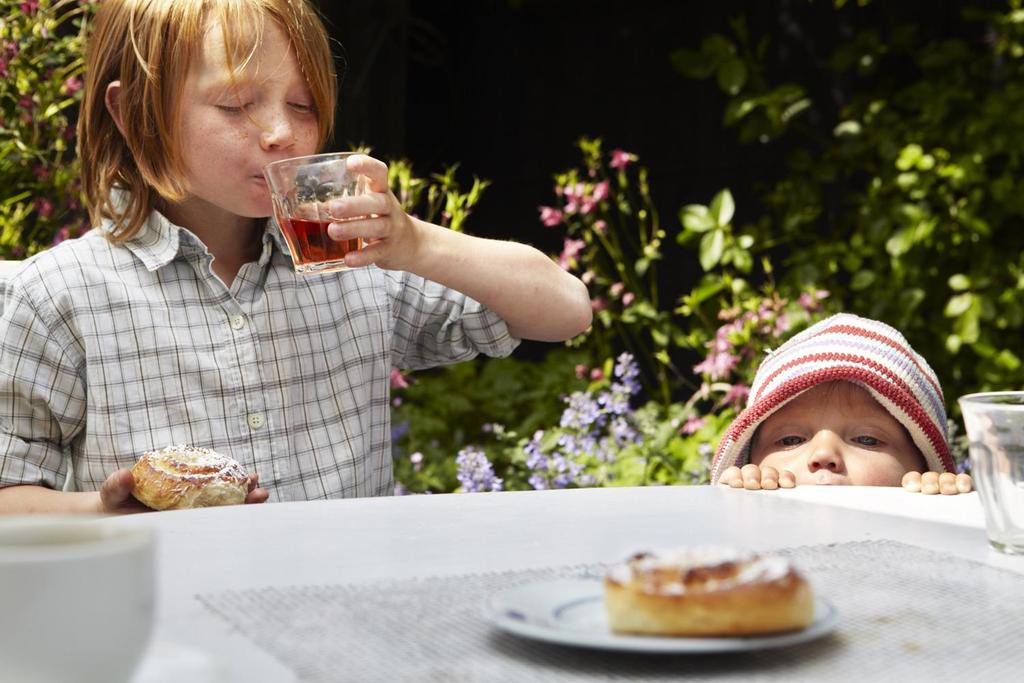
845 347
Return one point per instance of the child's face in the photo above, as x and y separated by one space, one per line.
228 135
836 433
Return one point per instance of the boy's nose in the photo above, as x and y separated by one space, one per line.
277 133
826 453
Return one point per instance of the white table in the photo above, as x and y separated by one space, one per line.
367 540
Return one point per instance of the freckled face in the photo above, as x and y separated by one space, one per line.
229 134
837 434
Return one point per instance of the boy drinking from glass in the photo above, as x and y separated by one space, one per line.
179 318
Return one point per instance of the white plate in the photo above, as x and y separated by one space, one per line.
571 612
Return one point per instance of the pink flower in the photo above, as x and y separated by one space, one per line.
44 207
736 395
398 380
717 365
581 371
570 251
588 277
811 301
30 6
693 425
550 216
616 289
597 304
627 299
600 227
599 193
596 375
62 234
72 85
621 159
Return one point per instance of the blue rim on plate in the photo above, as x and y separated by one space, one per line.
571 612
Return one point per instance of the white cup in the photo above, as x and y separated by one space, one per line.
76 599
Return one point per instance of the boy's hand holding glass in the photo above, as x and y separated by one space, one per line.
337 211
390 236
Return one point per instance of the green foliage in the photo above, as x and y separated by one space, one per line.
40 68
488 402
612 431
907 201
437 199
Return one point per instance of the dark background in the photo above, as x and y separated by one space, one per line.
506 87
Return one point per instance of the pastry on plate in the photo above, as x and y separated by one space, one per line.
706 592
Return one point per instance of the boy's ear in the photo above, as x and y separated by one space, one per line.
112 98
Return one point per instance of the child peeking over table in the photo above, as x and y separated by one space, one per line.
845 402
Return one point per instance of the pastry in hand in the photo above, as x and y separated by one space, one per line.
178 477
706 592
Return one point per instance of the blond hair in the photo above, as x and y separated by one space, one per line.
149 46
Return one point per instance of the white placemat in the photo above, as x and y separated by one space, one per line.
905 614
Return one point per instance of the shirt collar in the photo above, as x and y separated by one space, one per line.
159 241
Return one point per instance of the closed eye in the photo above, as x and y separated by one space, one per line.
228 109
305 108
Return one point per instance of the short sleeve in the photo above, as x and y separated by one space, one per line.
436 325
42 396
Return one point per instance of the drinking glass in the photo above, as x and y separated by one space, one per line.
995 433
302 189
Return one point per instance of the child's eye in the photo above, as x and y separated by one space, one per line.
867 441
228 109
791 441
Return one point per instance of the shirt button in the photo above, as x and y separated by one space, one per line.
255 420
237 322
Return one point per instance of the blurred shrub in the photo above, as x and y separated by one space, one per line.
40 82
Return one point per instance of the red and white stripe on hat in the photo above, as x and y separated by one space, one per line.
853 349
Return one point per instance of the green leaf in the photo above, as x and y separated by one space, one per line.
847 128
722 208
908 157
696 218
732 75
711 247
901 242
959 282
693 64
958 305
862 279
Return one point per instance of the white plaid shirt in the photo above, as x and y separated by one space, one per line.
108 351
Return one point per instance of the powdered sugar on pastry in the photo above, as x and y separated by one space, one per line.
186 477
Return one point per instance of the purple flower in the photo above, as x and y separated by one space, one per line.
476 473
627 371
582 412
